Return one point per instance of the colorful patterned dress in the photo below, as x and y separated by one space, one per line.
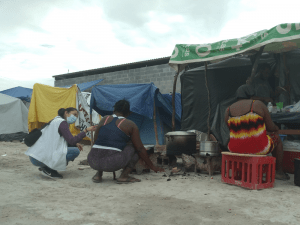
248 134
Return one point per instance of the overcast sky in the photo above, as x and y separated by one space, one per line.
42 38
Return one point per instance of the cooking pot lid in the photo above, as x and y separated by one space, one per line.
177 133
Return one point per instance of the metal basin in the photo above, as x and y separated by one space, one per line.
209 148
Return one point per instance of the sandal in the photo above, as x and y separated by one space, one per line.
96 180
128 180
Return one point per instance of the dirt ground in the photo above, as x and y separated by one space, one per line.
29 198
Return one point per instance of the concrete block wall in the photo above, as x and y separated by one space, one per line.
161 75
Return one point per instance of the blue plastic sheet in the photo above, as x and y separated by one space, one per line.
140 97
178 108
86 85
19 92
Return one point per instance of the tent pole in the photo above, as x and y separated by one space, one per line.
173 100
92 137
255 64
155 123
209 109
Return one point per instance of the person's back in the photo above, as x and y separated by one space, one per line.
111 136
248 133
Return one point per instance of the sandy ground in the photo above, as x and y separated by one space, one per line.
29 198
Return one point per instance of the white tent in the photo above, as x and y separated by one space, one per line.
14 118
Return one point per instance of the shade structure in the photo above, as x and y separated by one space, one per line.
281 38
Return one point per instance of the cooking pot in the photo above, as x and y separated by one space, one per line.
180 142
209 148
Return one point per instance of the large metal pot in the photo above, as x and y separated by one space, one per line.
209 148
180 142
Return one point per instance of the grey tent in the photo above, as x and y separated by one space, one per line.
14 118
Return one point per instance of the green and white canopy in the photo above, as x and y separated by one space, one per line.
282 38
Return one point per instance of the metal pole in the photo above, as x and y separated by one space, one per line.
173 101
208 97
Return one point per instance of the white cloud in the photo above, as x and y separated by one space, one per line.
40 39
7 83
256 15
176 19
158 27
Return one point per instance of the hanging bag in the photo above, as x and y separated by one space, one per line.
34 135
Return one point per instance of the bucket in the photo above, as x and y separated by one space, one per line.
282 136
297 171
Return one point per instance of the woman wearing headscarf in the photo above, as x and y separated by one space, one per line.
118 145
51 152
252 130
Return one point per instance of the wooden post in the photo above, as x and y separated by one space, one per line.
92 137
208 97
154 122
173 101
255 64
287 77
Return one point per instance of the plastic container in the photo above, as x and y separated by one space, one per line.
270 106
282 136
297 171
253 172
274 109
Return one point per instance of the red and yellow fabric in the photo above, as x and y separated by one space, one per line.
248 135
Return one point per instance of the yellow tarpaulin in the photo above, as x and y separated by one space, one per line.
46 101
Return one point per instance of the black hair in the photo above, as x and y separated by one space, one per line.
264 66
61 111
245 92
122 106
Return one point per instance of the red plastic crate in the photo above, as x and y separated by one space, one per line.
253 172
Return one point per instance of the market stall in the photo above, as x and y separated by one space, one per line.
279 41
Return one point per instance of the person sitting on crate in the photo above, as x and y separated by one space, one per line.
51 152
113 149
252 130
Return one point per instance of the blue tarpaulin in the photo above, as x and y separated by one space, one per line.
178 108
141 98
86 85
19 92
